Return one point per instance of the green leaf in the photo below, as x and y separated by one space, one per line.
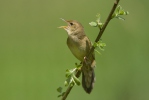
102 44
98 18
77 81
126 12
72 84
66 83
94 24
95 44
113 15
119 17
68 73
119 11
61 94
78 66
100 25
122 12
59 89
68 80
97 51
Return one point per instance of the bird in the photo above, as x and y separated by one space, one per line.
80 45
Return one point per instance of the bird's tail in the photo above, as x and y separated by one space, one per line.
88 76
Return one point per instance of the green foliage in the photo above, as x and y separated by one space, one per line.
94 24
97 23
118 12
60 91
99 45
71 79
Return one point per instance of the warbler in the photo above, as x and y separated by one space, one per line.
80 45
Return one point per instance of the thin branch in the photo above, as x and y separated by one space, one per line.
104 26
70 87
92 49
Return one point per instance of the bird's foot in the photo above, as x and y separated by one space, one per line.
86 61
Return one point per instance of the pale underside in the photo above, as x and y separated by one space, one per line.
78 47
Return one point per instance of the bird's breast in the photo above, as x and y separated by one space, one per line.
78 47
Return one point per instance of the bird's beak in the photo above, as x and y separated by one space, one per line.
64 27
63 20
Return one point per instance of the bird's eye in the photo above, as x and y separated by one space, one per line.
71 24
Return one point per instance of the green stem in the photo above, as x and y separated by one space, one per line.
92 49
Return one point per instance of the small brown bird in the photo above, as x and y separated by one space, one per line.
80 45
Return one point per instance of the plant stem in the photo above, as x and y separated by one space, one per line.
92 49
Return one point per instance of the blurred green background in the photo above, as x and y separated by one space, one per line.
34 54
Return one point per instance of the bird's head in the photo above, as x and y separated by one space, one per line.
73 27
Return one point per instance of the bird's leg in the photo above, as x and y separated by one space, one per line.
86 61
